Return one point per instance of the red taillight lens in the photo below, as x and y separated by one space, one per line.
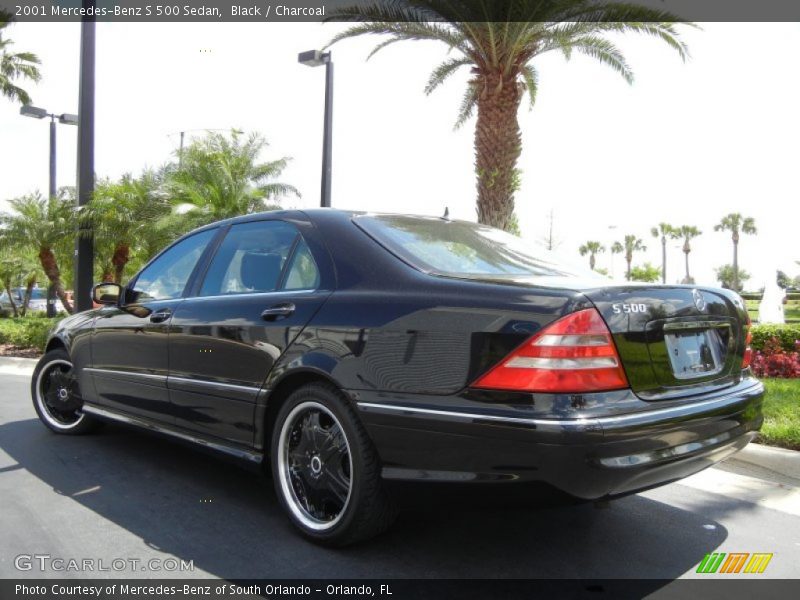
748 338
574 354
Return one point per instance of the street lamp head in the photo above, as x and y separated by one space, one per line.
313 58
33 112
68 119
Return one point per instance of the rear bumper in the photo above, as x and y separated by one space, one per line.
433 439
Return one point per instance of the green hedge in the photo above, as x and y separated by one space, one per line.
787 334
26 332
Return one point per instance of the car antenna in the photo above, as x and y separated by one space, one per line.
446 215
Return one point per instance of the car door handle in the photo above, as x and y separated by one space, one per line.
161 315
279 310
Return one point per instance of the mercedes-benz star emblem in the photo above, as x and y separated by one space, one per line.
699 301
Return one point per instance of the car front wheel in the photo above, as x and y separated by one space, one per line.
56 396
326 470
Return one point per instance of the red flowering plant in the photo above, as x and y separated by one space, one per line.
774 361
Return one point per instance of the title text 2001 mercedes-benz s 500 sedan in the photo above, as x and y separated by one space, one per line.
352 349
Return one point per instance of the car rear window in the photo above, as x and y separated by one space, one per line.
464 249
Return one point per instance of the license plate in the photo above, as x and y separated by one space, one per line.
694 353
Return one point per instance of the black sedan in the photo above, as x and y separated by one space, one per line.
347 350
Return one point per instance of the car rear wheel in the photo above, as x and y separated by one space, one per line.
326 470
56 396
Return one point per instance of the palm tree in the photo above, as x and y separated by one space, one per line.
591 248
631 245
14 66
616 248
498 41
665 230
126 217
221 177
736 223
46 225
9 270
688 233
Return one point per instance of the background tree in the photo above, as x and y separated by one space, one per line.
221 177
497 41
646 272
616 248
730 279
736 224
127 220
15 66
631 245
47 226
592 248
664 231
9 270
688 233
783 280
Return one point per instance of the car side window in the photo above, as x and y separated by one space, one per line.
250 259
303 272
167 276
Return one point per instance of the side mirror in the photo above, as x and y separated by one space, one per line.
106 293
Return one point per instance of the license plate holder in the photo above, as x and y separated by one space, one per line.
694 353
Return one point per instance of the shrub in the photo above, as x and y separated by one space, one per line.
26 332
774 361
787 335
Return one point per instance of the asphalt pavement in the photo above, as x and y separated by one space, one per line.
126 495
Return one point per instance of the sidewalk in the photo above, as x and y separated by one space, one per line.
16 366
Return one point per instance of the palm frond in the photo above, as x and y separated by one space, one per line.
445 70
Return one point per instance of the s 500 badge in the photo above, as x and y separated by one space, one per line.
628 308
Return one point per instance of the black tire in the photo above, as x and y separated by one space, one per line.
56 397
318 445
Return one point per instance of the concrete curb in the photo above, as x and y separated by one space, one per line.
768 460
10 365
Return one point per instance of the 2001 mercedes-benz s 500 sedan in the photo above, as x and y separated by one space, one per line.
348 349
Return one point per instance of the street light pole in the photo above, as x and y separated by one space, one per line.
327 138
315 58
84 243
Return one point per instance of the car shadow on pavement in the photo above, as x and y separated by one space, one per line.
228 522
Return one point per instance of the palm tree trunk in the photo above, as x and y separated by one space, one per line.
663 259
497 148
735 265
591 262
688 277
50 268
14 310
28 291
119 260
629 260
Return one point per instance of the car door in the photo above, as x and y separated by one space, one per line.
261 288
129 342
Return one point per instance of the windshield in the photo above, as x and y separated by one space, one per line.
464 249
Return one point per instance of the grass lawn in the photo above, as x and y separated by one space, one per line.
781 413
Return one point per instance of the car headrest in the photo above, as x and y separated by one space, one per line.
260 272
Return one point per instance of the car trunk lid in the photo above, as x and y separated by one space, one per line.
674 340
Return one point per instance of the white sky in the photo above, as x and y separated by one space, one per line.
686 144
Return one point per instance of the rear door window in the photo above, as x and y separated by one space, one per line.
255 257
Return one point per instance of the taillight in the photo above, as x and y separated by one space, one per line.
748 338
574 354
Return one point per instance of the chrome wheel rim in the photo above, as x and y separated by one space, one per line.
315 466
57 395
